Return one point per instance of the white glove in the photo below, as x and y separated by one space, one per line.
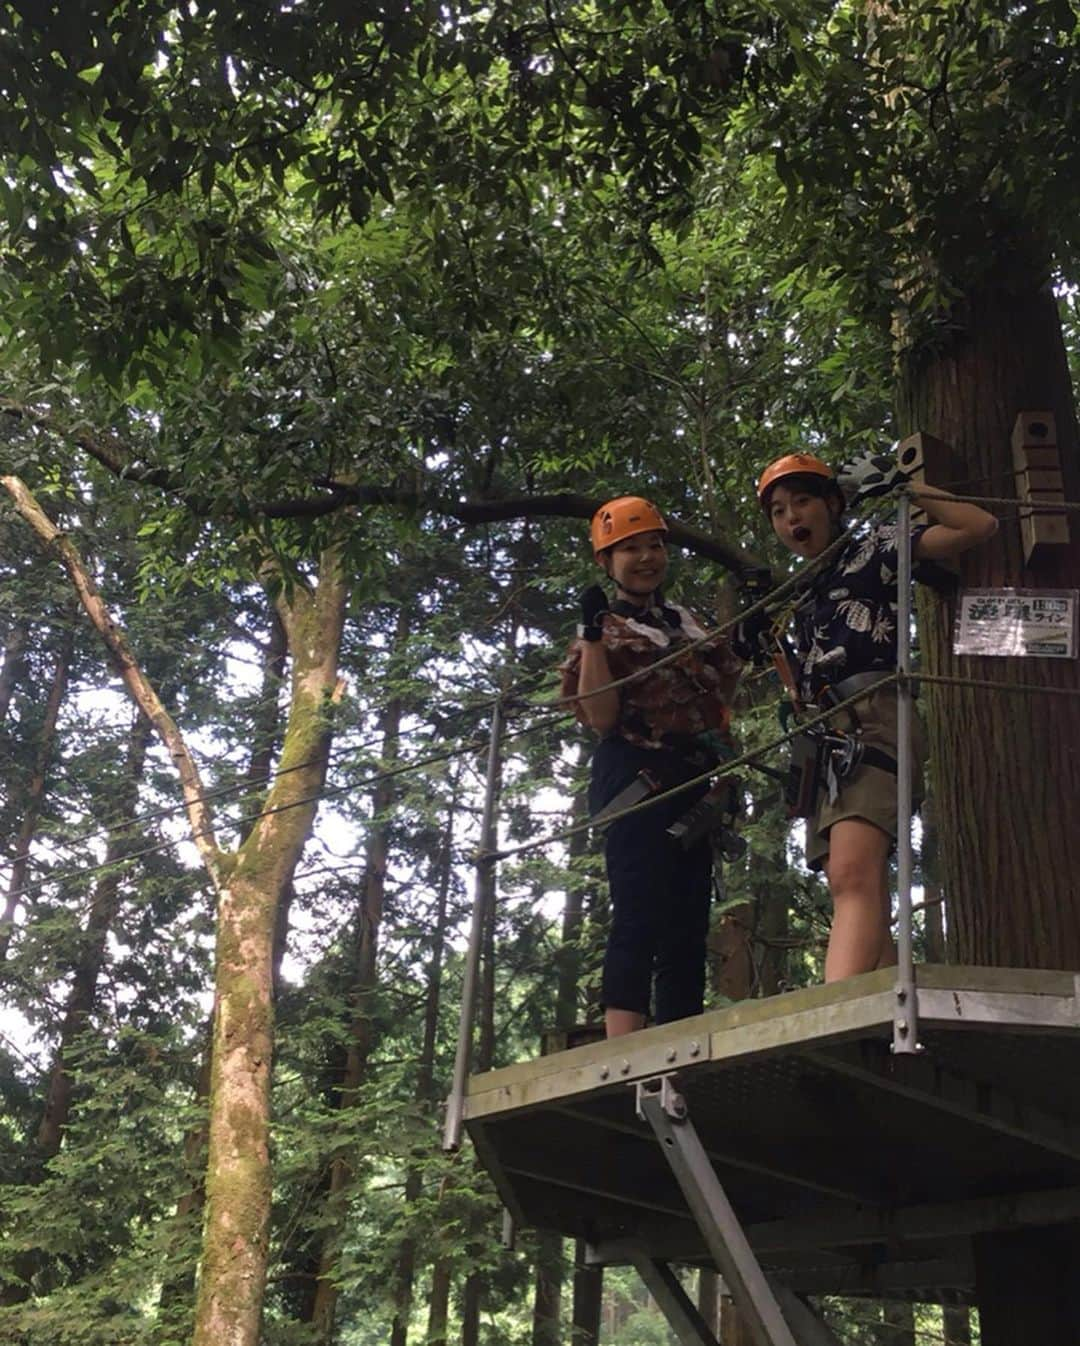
869 475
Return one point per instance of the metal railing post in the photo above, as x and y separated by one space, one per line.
905 1014
485 861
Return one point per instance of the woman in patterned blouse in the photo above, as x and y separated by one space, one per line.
670 722
845 626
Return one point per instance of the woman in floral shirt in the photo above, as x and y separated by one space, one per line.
845 629
671 722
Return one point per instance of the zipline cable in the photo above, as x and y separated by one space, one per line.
768 601
85 871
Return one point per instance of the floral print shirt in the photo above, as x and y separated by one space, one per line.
846 621
680 700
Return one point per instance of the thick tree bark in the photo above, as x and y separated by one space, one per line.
362 1029
35 792
1006 766
265 737
233 1267
1009 1267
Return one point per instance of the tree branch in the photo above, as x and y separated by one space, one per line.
136 682
563 505
113 455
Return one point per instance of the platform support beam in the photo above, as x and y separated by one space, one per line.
906 1011
673 1301
664 1109
483 885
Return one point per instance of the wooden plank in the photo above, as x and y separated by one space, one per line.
649 1052
866 1016
1027 981
857 1005
999 1009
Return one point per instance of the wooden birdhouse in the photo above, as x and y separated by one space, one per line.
1037 465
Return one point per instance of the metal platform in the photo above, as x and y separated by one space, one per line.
851 1169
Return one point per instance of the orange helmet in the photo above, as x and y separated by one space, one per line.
623 517
792 464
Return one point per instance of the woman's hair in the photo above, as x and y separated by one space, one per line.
809 483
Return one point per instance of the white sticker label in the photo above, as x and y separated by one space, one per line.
1021 623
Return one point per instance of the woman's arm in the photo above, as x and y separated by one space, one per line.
599 712
955 527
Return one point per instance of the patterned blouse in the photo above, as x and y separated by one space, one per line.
846 621
685 698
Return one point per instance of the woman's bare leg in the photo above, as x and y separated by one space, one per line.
856 870
619 1022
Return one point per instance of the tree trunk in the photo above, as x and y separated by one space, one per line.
484 1057
362 1028
249 884
265 737
934 911
35 793
470 1310
708 1298
1006 766
733 1328
233 1267
439 1303
103 909
730 957
1009 868
13 666
898 1322
1027 1286
588 1299
956 1324
405 1269
547 1296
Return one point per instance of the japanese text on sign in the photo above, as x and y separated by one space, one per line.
1027 623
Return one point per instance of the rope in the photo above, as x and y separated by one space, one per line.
746 759
1039 507
390 773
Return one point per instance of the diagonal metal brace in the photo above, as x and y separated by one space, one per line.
677 1307
663 1107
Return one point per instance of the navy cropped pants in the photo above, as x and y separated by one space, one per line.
660 893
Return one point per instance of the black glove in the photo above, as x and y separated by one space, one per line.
594 603
868 475
753 586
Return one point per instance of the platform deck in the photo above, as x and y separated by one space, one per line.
853 1170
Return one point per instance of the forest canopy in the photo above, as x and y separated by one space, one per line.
324 327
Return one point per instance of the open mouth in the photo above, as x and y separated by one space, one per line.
801 534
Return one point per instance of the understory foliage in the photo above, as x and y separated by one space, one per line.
283 279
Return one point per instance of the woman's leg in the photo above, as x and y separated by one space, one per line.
856 868
618 1022
635 906
683 933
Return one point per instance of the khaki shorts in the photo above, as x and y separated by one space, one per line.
870 791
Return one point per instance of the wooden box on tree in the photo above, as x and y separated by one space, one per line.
1037 465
